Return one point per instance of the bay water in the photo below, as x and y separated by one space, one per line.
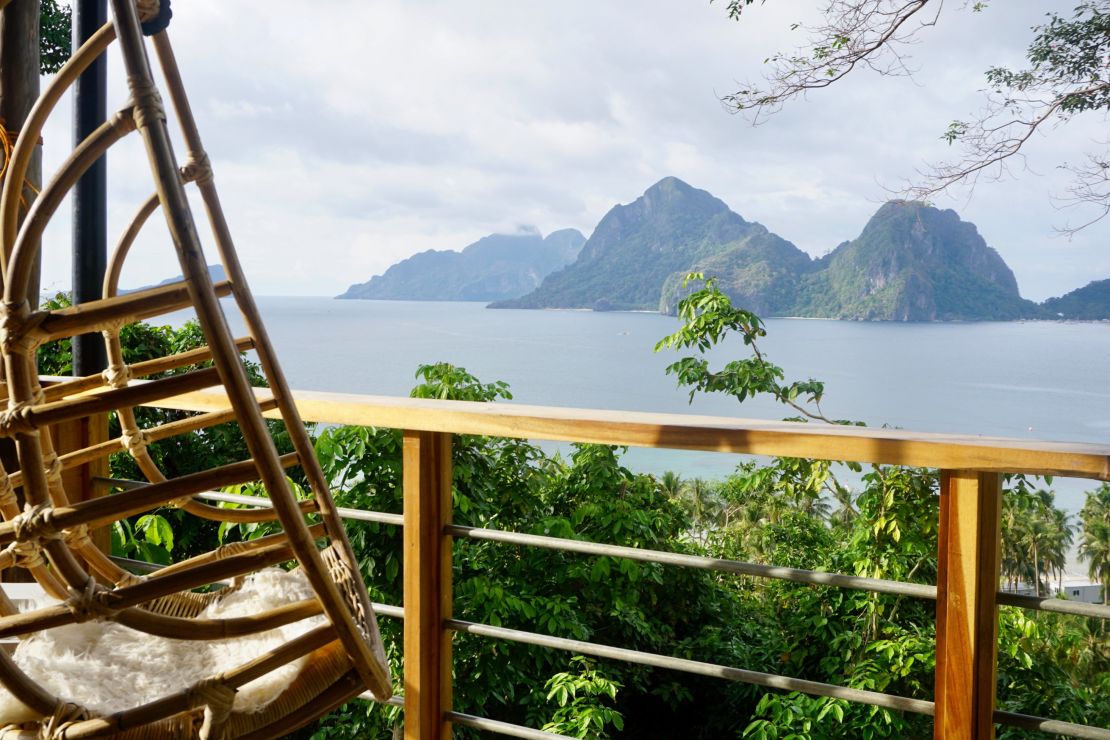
1027 380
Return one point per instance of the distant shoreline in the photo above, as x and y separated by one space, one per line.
791 318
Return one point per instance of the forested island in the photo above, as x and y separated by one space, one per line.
910 262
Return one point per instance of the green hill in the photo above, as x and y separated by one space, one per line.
760 272
913 262
1091 302
493 268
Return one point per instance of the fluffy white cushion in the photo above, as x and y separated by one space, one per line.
107 668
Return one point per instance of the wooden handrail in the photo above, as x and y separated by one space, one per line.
690 432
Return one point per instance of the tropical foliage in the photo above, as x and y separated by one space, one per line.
55 19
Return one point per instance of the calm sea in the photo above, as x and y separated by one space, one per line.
1033 380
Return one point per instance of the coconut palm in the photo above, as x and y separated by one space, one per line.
846 511
699 499
1035 537
1015 564
1062 535
1094 546
671 483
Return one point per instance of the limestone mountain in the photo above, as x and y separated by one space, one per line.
913 262
1091 302
639 248
496 267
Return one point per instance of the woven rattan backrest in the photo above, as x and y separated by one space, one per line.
46 527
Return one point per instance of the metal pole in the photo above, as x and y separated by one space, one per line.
90 204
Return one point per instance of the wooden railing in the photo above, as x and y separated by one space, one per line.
966 593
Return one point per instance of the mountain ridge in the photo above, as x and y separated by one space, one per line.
495 267
910 262
913 262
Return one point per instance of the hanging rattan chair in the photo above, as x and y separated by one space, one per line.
329 634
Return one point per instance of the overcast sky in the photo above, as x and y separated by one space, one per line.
346 136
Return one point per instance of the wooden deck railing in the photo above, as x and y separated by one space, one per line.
967 593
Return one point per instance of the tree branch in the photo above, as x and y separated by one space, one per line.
998 136
858 32
1068 73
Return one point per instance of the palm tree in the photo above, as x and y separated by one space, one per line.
1094 547
671 483
1062 536
699 498
1016 568
702 502
1036 537
846 511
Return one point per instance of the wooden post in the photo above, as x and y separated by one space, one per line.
427 572
78 482
967 609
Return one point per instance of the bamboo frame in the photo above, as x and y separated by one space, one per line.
125 309
51 536
200 355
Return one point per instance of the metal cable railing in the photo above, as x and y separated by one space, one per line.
794 575
774 681
712 670
897 703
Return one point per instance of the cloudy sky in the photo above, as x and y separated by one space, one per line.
349 135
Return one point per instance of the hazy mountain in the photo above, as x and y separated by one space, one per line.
216 272
1089 302
493 268
671 229
913 262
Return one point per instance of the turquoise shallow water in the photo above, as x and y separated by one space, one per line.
1033 380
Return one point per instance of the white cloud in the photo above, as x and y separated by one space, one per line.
356 134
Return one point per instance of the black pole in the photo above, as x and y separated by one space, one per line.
90 202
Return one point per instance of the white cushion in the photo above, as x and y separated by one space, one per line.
107 667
